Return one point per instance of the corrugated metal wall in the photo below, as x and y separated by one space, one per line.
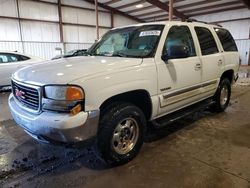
240 29
40 38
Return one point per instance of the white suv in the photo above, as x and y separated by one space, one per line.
132 75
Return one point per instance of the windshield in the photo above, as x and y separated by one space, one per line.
136 41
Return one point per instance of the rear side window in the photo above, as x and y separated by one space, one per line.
23 58
206 40
226 40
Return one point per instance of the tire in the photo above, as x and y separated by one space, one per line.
222 95
121 133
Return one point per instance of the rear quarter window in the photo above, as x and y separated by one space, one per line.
226 40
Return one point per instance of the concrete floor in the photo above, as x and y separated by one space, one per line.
205 150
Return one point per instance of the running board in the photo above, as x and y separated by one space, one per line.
173 117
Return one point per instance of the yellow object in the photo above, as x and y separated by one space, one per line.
76 109
74 93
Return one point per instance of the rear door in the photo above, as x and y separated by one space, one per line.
211 59
230 51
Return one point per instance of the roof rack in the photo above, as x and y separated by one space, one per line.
194 20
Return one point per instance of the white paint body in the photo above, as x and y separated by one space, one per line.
104 77
7 69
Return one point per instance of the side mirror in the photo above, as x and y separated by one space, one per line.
175 52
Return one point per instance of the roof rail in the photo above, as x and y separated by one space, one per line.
194 20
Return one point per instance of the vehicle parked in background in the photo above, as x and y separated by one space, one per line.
151 72
71 53
11 62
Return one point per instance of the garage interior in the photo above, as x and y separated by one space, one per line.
204 150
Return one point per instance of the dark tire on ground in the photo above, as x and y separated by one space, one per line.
120 124
222 95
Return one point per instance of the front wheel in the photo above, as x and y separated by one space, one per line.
222 95
121 133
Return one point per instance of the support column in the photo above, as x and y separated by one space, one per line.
19 24
171 2
112 19
97 19
60 24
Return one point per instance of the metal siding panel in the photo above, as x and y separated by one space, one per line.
38 31
80 3
36 10
233 14
70 33
122 21
244 48
8 8
9 30
79 16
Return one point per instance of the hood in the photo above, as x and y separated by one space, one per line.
63 71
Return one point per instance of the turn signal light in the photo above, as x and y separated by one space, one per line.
74 93
76 109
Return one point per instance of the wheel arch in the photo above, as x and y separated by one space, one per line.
140 98
228 74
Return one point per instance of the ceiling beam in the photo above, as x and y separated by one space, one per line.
115 11
155 17
216 11
165 7
140 9
247 3
150 13
213 6
111 2
130 4
178 7
196 4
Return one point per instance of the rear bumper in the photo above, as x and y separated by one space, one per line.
58 127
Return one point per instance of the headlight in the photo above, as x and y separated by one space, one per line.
63 99
68 93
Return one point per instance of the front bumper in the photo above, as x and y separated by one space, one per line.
58 127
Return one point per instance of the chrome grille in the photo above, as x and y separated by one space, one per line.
27 95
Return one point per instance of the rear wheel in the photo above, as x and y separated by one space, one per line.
121 133
222 95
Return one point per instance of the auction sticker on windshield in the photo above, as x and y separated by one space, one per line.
150 33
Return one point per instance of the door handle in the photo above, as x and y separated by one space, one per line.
220 62
198 66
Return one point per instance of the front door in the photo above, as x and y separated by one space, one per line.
179 78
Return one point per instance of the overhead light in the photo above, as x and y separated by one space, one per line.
139 6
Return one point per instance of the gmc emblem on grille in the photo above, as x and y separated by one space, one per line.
19 93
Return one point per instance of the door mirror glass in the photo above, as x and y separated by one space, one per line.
175 52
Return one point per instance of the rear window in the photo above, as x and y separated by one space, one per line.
226 40
206 40
23 58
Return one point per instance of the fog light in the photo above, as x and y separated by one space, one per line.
76 109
